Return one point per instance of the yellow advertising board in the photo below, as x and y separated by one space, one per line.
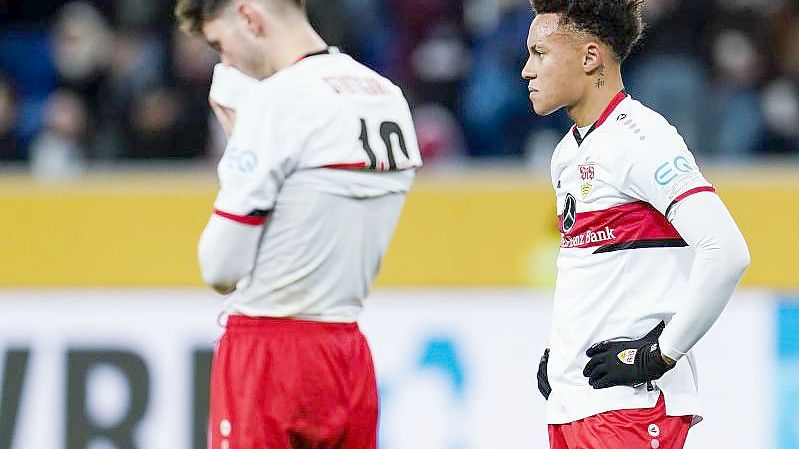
467 229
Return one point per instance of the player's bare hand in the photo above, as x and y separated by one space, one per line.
225 115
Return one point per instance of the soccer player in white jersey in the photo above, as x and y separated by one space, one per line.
321 155
649 253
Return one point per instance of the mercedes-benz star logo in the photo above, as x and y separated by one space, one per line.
569 213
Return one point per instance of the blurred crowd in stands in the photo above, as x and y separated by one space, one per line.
109 80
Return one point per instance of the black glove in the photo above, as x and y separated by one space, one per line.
626 362
543 379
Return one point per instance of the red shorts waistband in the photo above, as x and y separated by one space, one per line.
255 324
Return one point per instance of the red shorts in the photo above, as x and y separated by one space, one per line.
644 428
290 384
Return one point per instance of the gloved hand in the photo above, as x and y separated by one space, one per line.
626 362
543 379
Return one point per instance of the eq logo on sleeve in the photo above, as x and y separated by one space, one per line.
669 171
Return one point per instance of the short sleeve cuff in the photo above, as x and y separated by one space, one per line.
686 194
252 220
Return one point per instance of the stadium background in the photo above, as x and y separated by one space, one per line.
107 154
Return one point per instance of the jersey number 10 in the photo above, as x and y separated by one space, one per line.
387 130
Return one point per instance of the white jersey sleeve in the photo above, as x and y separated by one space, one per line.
256 160
227 250
721 258
665 172
230 87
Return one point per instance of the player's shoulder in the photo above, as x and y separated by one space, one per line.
287 94
640 130
326 76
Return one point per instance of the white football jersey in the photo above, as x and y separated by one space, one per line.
325 150
622 267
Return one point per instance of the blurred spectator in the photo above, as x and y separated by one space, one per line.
668 73
734 123
786 37
359 27
58 153
153 131
144 15
415 22
495 108
26 58
781 110
440 137
82 44
439 64
780 97
137 64
192 65
8 121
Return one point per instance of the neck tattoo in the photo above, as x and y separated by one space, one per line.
601 80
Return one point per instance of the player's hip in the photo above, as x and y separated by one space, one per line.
291 331
572 398
295 305
306 358
648 426
275 380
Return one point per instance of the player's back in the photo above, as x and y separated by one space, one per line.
328 147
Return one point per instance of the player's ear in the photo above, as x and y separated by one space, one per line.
592 57
253 17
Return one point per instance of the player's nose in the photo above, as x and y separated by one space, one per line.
527 71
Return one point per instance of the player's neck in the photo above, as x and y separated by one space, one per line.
598 94
300 41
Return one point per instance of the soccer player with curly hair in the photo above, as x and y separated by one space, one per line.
649 253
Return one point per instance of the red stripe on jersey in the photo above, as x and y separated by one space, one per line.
691 192
687 194
248 220
604 116
631 222
609 109
347 166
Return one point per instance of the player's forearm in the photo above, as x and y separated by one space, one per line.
226 252
721 259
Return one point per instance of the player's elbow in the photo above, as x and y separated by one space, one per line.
214 270
744 258
224 289
215 276
738 256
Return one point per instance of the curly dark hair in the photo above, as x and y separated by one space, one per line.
191 14
617 23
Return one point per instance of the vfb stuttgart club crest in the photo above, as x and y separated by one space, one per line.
586 177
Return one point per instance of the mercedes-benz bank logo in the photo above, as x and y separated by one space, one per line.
569 213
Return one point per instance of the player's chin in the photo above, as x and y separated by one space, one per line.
543 108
